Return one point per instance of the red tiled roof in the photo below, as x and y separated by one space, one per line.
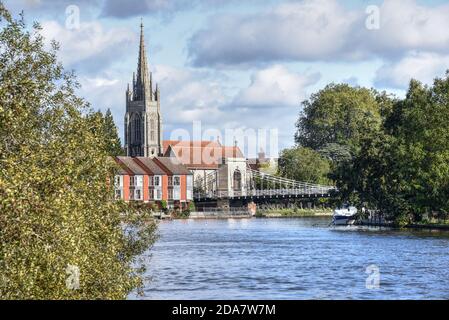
189 144
150 166
200 154
122 168
172 165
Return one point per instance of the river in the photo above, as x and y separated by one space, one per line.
294 259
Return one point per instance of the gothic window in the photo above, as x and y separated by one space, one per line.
137 130
237 180
152 130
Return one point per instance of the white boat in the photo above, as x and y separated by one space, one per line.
344 216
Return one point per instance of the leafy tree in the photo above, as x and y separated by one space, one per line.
304 164
335 115
336 153
403 169
56 196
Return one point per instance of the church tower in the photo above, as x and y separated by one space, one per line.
143 121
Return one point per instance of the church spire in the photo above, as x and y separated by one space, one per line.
143 82
143 120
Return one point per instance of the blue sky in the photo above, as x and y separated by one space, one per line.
244 64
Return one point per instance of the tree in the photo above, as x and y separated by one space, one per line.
403 169
111 132
56 197
335 115
304 164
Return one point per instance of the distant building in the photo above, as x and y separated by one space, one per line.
153 180
264 164
215 167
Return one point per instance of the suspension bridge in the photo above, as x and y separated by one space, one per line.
259 185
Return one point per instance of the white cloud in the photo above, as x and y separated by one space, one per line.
188 95
406 25
424 66
308 30
275 87
91 47
320 30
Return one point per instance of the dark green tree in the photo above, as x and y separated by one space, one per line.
304 164
403 169
111 133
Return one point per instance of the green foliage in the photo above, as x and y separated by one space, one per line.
111 133
403 168
56 200
337 114
386 154
184 214
304 164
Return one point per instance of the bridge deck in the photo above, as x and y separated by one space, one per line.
272 193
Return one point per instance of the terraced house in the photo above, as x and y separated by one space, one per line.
153 180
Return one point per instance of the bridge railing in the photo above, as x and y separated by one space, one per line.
266 193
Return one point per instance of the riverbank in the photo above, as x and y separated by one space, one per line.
415 226
295 213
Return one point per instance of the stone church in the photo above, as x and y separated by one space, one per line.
214 167
143 120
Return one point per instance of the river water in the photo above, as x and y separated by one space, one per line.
294 259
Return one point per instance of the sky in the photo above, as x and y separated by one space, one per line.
243 64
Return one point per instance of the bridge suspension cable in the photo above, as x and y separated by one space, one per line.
263 184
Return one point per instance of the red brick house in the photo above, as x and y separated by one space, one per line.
153 180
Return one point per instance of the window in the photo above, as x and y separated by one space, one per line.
138 195
152 130
151 182
132 181
157 181
170 194
137 130
189 187
176 181
176 194
237 180
118 181
170 181
189 181
157 194
118 194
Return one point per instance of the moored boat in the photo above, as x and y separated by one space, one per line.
344 216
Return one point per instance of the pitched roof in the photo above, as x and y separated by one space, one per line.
132 165
122 169
200 154
173 165
189 144
150 166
